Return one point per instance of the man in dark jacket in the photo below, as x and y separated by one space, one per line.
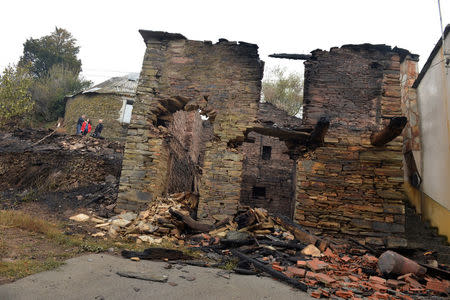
98 130
80 123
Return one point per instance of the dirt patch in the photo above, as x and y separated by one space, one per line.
23 253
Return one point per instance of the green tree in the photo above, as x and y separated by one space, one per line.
58 48
15 98
285 91
49 91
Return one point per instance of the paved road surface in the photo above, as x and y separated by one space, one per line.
94 277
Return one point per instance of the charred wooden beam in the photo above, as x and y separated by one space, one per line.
191 223
156 254
299 233
390 132
267 269
318 134
291 56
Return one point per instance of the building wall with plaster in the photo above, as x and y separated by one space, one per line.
430 97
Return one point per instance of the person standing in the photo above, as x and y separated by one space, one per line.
86 127
80 124
98 130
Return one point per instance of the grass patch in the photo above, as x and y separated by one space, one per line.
67 245
230 264
17 219
24 267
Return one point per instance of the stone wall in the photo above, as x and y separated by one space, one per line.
346 186
349 186
95 107
268 178
226 78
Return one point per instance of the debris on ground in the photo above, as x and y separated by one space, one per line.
143 276
274 245
61 172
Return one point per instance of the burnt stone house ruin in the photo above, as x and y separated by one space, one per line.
198 125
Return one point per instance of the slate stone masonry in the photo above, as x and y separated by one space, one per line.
344 187
348 186
176 71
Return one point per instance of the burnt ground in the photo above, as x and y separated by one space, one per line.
62 173
51 177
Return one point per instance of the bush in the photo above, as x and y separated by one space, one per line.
49 92
15 98
285 91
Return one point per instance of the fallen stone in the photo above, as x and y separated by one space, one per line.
172 283
129 216
112 231
134 258
237 236
98 234
296 271
149 239
143 276
146 227
344 294
102 225
97 220
121 222
301 263
376 279
383 296
370 259
316 265
316 294
188 278
324 278
437 286
311 250
80 218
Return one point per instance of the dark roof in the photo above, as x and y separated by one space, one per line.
160 35
431 57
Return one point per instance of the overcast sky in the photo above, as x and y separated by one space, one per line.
107 31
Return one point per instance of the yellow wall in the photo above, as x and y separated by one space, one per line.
430 210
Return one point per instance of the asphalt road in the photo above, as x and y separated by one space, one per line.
94 277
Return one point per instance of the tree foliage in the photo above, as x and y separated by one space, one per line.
15 98
49 91
58 48
285 91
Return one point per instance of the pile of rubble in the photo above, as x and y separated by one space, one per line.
49 140
274 245
62 172
153 225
